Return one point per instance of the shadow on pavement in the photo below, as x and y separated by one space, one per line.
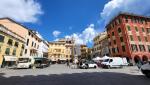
95 78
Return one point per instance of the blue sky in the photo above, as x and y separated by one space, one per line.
81 19
67 16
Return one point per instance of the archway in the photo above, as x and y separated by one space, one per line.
137 59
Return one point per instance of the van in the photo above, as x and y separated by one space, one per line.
25 62
29 62
114 62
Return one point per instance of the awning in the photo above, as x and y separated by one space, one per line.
10 58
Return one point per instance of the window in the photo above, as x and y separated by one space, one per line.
131 37
139 38
146 22
112 33
121 39
27 42
128 28
32 43
16 44
109 43
114 41
113 25
29 33
116 50
142 47
148 30
2 38
38 47
22 46
126 17
119 30
119 21
115 22
123 48
35 45
25 51
143 29
14 52
148 46
110 51
134 47
10 42
0 48
113 50
136 29
21 53
134 20
7 51
146 40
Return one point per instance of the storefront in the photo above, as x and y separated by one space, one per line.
9 61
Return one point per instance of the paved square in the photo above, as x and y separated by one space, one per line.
63 75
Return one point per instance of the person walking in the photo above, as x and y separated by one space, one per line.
67 61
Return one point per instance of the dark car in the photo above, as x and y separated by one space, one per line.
146 69
41 62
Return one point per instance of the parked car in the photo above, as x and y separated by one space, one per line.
146 69
41 62
114 62
87 64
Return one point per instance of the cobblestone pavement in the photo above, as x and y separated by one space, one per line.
63 75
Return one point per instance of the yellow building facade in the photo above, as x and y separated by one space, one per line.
11 46
84 51
60 50
32 41
100 47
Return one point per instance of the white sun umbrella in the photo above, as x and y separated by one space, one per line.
97 59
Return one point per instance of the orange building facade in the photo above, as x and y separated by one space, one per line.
129 36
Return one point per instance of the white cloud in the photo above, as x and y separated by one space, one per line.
85 37
113 7
56 39
56 33
20 10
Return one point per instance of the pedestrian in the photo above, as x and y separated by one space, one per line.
67 62
139 64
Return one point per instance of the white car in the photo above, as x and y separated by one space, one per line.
88 64
146 69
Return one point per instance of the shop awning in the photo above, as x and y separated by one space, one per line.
10 58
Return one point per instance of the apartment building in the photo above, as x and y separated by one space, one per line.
35 45
100 47
32 44
11 46
61 50
84 51
129 36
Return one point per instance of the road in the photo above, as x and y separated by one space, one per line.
63 75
